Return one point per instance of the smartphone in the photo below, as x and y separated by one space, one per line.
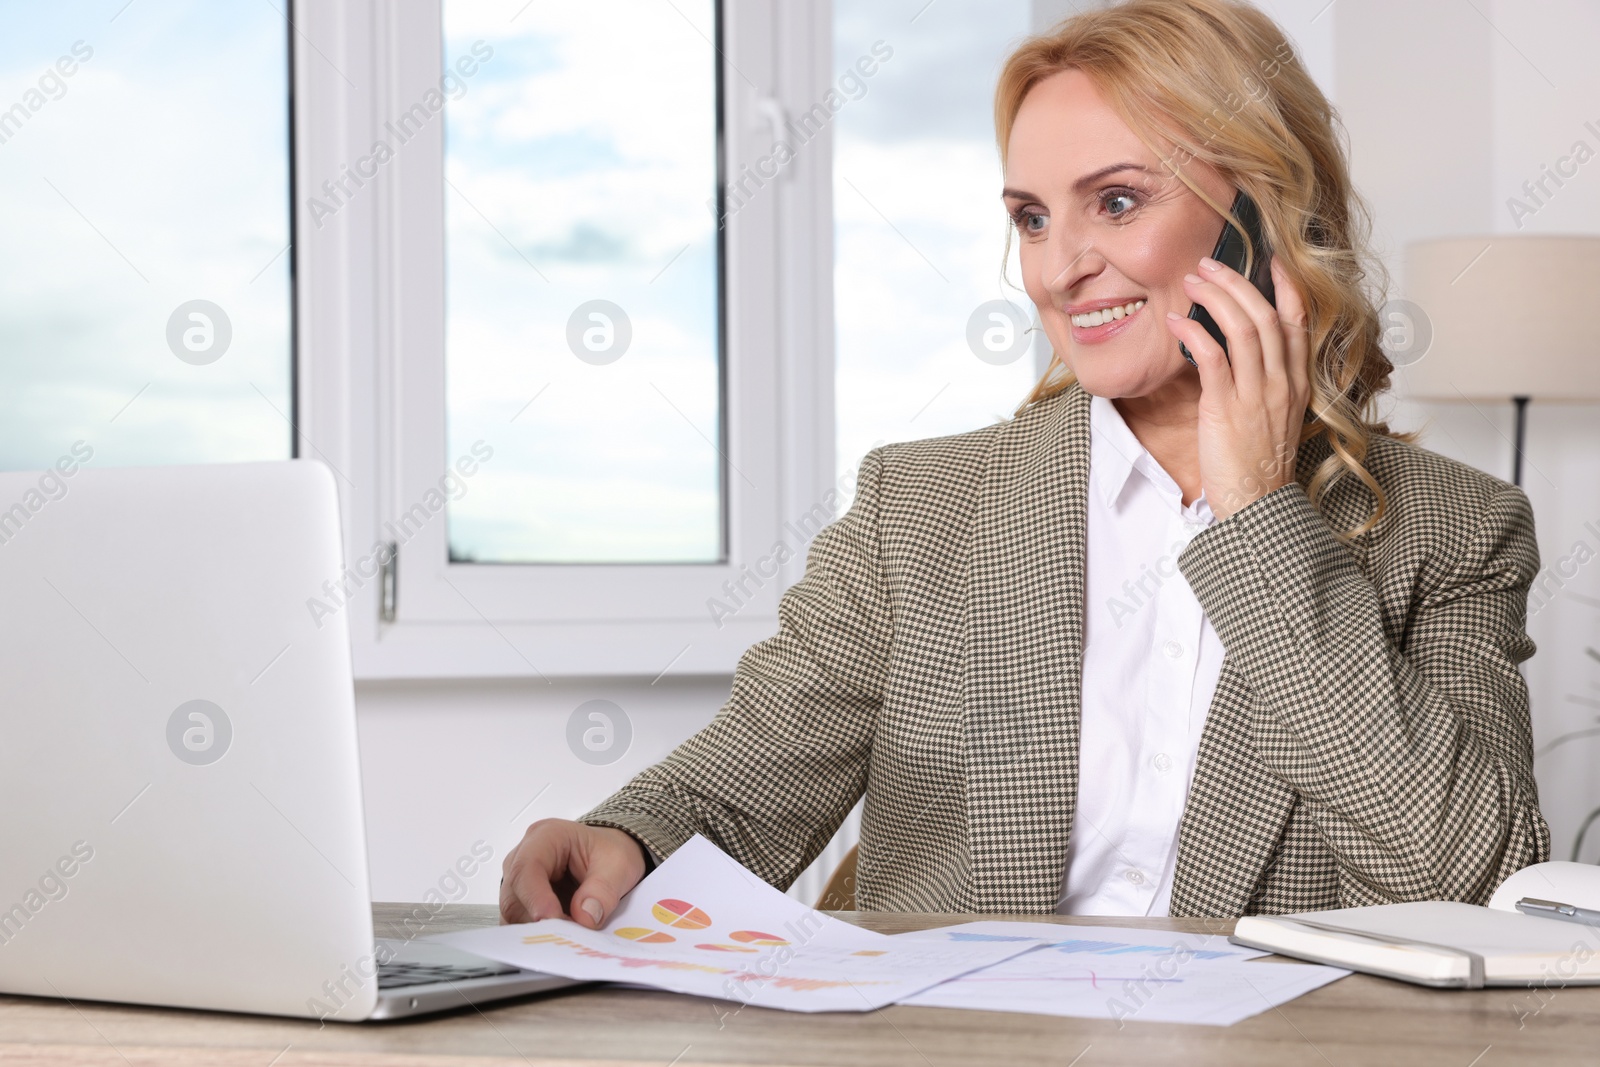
1230 251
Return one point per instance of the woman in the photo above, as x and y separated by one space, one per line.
1311 700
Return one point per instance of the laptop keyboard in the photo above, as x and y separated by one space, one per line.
399 974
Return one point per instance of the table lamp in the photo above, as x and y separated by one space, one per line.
1508 321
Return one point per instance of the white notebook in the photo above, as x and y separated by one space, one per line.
1448 944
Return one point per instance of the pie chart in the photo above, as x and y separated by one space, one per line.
639 933
756 937
680 913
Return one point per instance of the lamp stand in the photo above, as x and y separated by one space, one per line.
1522 423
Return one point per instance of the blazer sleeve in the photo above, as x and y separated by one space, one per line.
772 777
1416 759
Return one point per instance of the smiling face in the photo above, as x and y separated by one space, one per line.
1106 235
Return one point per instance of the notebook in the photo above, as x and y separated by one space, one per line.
1450 944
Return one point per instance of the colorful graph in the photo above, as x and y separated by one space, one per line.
1122 948
1085 946
681 914
727 948
804 985
732 973
756 937
648 937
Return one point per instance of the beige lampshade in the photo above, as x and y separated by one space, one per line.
1509 316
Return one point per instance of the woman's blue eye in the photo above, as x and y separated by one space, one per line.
1110 198
1023 220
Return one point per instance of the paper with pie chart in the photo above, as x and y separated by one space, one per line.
700 923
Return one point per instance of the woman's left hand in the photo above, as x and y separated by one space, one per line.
1252 411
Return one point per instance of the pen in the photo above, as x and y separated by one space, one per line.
1552 909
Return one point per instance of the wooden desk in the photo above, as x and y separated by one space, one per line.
1356 1020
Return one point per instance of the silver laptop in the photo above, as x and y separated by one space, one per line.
179 784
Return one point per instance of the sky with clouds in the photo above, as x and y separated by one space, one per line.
919 228
154 175
604 188
580 159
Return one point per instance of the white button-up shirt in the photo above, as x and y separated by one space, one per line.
1150 665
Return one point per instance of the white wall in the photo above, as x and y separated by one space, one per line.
447 763
1448 116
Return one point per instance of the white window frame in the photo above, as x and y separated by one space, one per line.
370 373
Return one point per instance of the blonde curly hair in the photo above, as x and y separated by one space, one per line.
1218 81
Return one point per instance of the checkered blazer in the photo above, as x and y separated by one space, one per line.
1368 740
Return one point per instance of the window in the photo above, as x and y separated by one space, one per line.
582 282
931 340
566 289
145 305
554 512
501 168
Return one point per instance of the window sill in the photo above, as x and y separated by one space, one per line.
556 650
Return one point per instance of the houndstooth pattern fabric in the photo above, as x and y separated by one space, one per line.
1368 740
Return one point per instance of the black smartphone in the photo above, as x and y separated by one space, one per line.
1230 251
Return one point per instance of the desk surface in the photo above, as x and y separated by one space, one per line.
1356 1020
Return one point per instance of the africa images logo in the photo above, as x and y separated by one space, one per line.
199 732
52 886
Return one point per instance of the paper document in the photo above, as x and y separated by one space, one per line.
702 924
1119 973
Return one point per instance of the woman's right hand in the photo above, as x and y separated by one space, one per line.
564 869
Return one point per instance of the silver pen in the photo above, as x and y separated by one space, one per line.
1551 909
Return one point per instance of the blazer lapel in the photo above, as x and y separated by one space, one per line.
1024 656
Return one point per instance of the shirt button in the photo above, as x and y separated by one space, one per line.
1173 649
1163 762
1134 876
